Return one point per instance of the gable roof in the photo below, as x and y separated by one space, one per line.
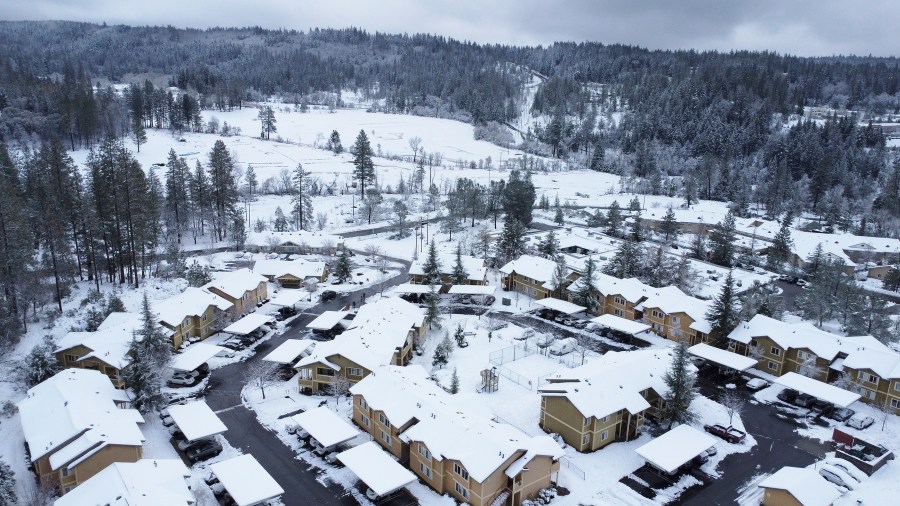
297 268
402 393
806 485
536 268
236 283
74 414
143 483
191 302
110 343
474 267
671 300
612 382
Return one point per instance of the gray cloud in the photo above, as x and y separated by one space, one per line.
803 27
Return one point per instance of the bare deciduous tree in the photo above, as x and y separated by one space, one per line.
311 285
261 373
339 387
733 403
414 143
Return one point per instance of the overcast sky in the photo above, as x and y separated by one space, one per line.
803 27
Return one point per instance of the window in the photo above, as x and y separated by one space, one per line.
363 404
868 394
620 300
605 418
186 322
587 421
383 419
897 386
868 378
458 469
306 374
776 351
66 472
585 439
773 366
803 355
386 438
676 320
325 371
425 469
354 371
203 318
72 358
604 435
895 403
461 490
656 314
619 312
424 451
364 419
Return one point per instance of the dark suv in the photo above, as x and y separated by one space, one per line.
204 451
328 295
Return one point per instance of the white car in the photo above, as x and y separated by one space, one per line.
838 477
527 334
847 467
860 421
757 384
563 346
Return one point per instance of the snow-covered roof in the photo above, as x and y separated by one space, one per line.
194 356
415 288
621 324
288 298
74 414
196 420
472 290
327 320
393 312
563 306
836 245
147 482
584 239
631 289
676 447
722 357
297 268
818 389
311 239
806 485
536 268
247 324
863 352
236 283
613 382
376 469
288 351
191 302
402 393
671 300
246 481
474 267
109 345
325 426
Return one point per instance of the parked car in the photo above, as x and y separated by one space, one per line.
838 476
787 395
841 414
527 334
287 311
182 378
860 421
208 449
328 295
847 467
168 421
579 324
824 408
489 300
563 346
804 400
186 446
757 384
729 434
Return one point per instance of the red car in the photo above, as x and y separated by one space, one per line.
729 434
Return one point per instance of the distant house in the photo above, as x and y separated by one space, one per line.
605 401
75 424
291 273
798 486
383 333
243 288
145 482
105 350
194 313
297 242
529 275
475 268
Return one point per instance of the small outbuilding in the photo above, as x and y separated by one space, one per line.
675 448
792 486
247 324
723 358
246 481
381 473
325 427
290 351
196 420
194 356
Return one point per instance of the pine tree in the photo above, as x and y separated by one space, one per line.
8 495
454 383
16 248
114 305
519 196
548 247
586 291
558 217
334 143
342 269
626 261
511 244
432 271
223 189
698 246
149 352
723 314
892 279
669 227
280 223
679 380
302 199
637 233
597 220
460 336
722 240
198 275
614 219
598 158
442 352
560 274
433 308
364 168
780 250
40 364
459 275
251 180
177 180
267 122
401 222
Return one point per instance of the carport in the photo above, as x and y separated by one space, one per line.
560 305
837 396
381 473
194 356
247 324
722 357
472 290
196 420
324 426
289 351
676 448
246 481
619 324
287 298
327 320
405 288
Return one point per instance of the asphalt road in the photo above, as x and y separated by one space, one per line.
299 480
790 292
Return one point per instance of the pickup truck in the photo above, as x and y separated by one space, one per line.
729 433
